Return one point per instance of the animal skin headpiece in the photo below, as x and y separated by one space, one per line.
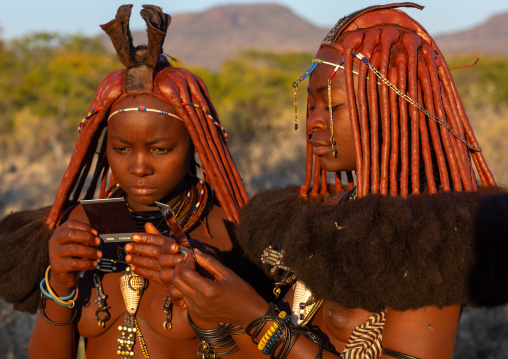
147 70
410 129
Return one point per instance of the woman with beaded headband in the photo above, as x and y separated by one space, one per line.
141 133
383 264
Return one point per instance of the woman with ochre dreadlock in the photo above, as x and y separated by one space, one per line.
380 267
142 131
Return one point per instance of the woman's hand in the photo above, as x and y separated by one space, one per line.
222 297
145 252
71 250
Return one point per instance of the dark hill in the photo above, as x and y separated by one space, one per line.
207 38
489 38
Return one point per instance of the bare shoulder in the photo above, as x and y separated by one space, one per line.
216 230
424 333
77 213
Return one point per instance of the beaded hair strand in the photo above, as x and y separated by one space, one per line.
410 129
148 71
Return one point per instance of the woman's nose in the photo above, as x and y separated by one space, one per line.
141 166
317 120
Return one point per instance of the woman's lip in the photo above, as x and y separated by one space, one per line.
321 150
142 190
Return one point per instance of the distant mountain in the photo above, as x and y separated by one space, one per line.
208 38
489 38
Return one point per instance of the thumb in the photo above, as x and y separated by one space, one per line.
150 228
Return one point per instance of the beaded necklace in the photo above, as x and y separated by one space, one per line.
188 210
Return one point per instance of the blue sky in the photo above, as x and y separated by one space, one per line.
20 17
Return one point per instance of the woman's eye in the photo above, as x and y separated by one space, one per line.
161 151
121 150
334 108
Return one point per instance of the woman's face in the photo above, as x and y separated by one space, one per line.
149 153
319 120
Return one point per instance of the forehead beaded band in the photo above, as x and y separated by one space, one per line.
209 115
143 109
162 112
363 59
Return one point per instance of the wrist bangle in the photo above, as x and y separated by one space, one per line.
214 343
68 301
47 294
45 317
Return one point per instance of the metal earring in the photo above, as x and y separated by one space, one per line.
330 110
296 127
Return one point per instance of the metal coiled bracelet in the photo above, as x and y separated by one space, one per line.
216 342
280 338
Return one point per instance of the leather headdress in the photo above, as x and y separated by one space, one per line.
139 61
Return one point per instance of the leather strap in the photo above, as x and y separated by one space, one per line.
396 354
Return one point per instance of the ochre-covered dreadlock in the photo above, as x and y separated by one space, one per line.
409 124
147 70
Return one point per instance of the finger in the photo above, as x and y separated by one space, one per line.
150 238
170 247
181 303
75 250
211 265
72 265
165 276
81 235
176 279
170 260
148 274
150 228
74 223
174 294
147 250
144 262
186 279
176 297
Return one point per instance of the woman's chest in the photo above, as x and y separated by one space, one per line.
338 323
105 308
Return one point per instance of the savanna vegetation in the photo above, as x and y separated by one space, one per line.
48 81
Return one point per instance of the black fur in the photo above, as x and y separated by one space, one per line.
24 240
266 218
377 252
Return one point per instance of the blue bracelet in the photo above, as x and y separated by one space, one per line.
47 294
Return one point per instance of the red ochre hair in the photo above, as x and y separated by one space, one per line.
391 136
148 71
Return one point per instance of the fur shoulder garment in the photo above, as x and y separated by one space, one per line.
377 252
24 238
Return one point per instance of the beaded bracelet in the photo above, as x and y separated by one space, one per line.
274 338
64 301
284 337
270 332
